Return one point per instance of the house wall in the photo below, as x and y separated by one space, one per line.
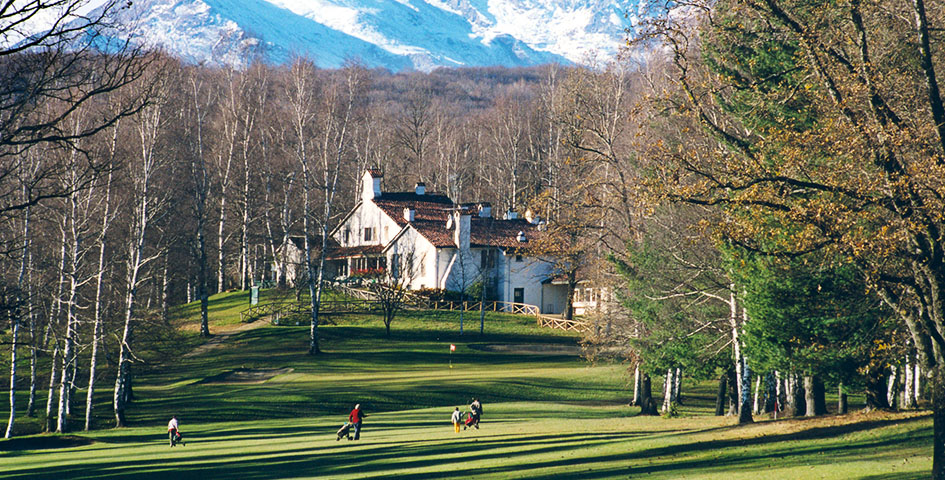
527 274
424 276
461 276
367 215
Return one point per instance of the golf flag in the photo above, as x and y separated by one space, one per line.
452 347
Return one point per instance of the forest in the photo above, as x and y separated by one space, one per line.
758 181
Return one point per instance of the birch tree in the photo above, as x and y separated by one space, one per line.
144 204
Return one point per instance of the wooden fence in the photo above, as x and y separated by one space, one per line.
363 302
489 306
559 323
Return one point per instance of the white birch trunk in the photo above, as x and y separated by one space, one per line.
917 379
221 286
667 391
677 384
16 316
143 212
34 360
891 385
736 342
755 408
907 384
53 383
98 320
636 386
15 338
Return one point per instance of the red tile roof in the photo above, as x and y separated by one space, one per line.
431 206
492 232
432 211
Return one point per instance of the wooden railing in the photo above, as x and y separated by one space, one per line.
354 292
277 310
258 311
551 321
467 306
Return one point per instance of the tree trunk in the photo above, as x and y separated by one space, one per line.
814 396
720 396
98 321
876 392
667 391
756 407
568 313
677 386
221 234
636 387
744 409
917 376
732 392
820 396
647 404
51 396
938 415
13 363
842 402
892 387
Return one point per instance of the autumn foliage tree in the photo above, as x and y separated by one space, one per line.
826 132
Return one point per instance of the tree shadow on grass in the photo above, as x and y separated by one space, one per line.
46 442
455 457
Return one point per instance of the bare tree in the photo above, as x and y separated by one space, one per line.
392 288
145 204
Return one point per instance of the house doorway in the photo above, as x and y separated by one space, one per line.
518 295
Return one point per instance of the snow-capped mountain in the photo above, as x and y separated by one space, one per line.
395 34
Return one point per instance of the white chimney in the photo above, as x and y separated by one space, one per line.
421 188
371 184
531 217
409 214
485 210
521 237
511 215
461 227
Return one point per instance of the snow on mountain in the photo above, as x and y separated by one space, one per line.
395 34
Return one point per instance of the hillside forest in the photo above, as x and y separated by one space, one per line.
757 181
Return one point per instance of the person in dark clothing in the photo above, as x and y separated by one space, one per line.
475 411
355 417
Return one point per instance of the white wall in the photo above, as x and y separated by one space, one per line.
527 274
367 215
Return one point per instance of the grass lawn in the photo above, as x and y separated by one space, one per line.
547 414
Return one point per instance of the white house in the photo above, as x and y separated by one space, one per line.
451 247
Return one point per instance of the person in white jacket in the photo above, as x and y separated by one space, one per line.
172 430
457 419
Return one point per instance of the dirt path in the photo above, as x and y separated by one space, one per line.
222 335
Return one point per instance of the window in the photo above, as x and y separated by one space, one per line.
385 234
347 236
395 265
518 258
487 259
423 268
368 234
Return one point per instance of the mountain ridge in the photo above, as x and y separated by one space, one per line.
392 34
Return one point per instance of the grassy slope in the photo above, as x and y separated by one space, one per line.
545 417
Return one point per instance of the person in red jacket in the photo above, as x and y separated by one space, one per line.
355 417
